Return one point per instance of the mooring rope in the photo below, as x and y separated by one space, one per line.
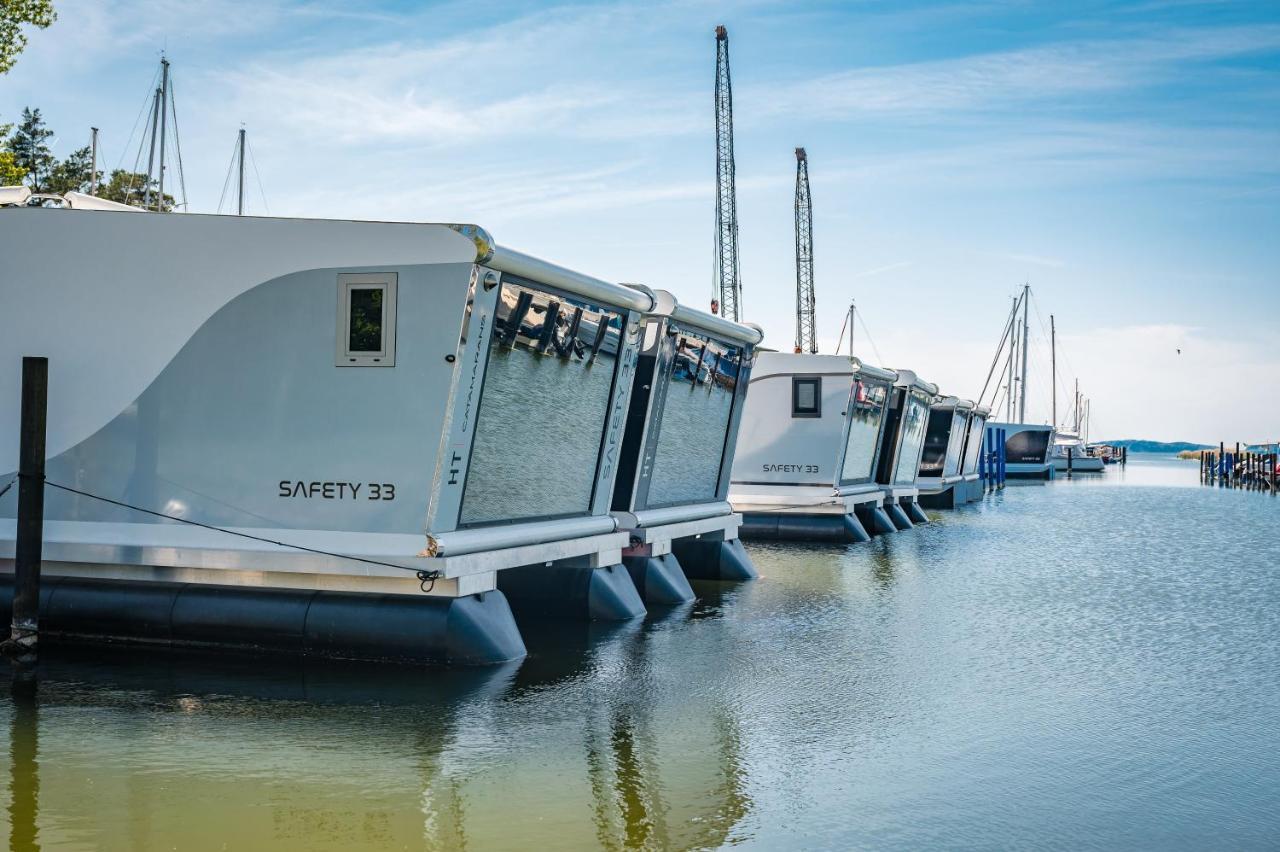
430 576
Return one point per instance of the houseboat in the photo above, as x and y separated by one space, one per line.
318 436
809 446
671 492
1027 449
941 477
901 446
974 445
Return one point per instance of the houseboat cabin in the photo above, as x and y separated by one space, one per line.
671 493
940 478
973 487
901 445
373 423
808 448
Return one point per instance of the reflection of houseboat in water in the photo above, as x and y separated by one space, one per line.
650 774
436 412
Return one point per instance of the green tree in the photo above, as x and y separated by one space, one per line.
131 188
13 15
27 144
72 174
10 173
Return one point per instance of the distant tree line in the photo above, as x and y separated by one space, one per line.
25 158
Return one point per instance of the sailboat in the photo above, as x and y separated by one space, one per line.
1071 449
1027 445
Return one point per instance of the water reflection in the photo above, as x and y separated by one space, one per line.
915 417
543 408
179 749
1063 660
24 766
866 413
695 421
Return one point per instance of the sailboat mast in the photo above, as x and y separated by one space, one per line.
151 151
1026 329
1013 350
853 307
1076 407
92 160
1053 367
240 189
164 113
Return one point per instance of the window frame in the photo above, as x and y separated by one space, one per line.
816 382
349 282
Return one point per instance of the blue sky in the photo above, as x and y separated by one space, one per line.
1124 158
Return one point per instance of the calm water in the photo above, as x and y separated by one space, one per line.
1089 664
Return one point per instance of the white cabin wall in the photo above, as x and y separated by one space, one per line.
255 400
774 447
111 297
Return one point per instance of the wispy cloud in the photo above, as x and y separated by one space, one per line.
867 273
1010 79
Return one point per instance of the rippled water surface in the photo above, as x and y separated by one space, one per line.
1089 664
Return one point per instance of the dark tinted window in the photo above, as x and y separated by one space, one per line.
936 438
364 330
1028 447
806 397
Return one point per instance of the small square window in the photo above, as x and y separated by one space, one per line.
806 397
366 319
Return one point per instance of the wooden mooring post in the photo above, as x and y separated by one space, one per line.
24 630
1245 468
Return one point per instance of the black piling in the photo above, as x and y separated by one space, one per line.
571 336
24 630
602 331
548 327
516 318
1069 462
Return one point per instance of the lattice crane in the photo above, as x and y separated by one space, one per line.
806 337
728 284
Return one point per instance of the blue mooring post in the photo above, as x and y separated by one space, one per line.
1004 456
988 442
